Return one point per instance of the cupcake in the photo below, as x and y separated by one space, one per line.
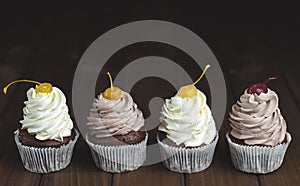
46 137
258 138
187 134
115 138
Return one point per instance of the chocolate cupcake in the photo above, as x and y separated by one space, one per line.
30 140
258 139
188 134
115 139
46 138
132 137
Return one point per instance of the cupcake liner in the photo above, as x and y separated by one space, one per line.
45 160
119 158
257 159
186 160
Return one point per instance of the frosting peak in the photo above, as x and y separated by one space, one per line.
188 121
46 115
257 120
114 117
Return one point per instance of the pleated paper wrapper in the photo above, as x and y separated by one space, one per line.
257 159
187 160
118 159
45 160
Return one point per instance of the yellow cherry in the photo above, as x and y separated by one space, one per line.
190 91
112 93
41 88
187 91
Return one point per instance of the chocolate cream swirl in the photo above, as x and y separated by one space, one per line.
257 120
114 117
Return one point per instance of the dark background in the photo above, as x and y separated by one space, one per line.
227 28
63 31
251 40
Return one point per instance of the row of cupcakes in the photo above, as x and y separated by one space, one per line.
187 134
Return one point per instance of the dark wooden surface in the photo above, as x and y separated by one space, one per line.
251 42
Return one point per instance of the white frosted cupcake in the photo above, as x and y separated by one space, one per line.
188 134
46 138
258 139
117 144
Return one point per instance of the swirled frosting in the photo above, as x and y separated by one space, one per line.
46 115
114 117
257 120
188 121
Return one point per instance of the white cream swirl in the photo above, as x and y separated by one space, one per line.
257 120
188 121
46 115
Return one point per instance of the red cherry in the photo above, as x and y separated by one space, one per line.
258 88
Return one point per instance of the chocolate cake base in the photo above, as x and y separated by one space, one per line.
30 140
163 138
133 137
242 142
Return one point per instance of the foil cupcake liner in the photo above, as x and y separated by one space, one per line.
257 159
45 160
187 160
118 159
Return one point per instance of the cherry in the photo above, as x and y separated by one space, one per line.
258 88
188 91
112 93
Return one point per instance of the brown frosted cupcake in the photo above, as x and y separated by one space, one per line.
188 134
46 138
258 139
115 139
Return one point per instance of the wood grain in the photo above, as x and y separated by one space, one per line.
292 77
250 42
149 175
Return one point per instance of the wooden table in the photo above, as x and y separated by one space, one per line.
251 43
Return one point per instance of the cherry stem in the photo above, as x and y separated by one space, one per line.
18 81
269 79
110 80
205 69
